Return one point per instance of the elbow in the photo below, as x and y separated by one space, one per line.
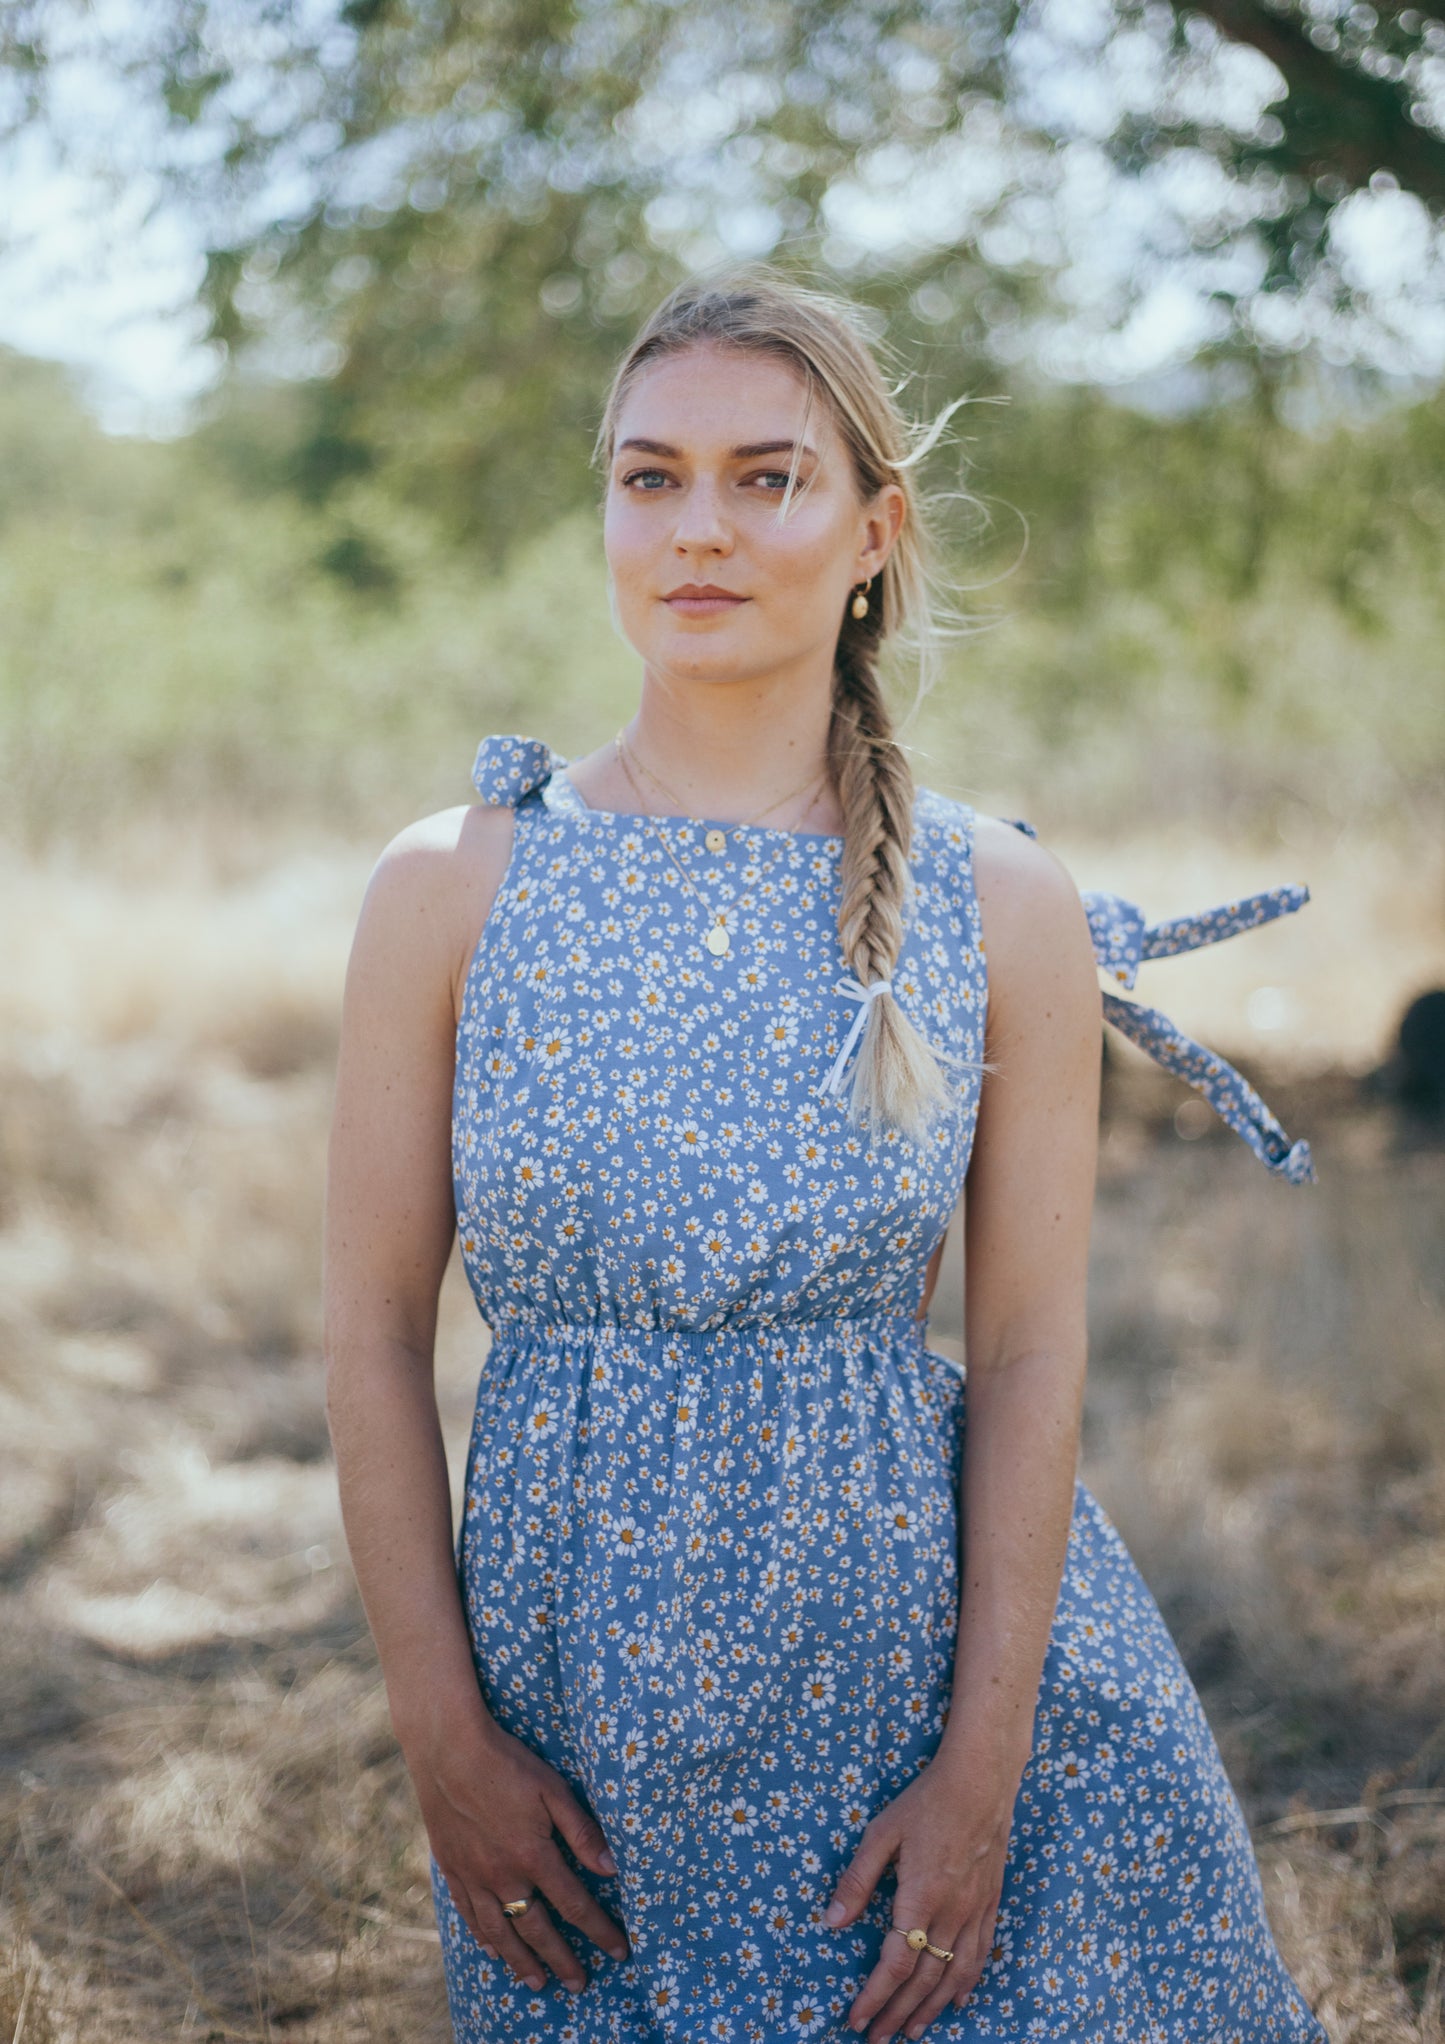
360 1355
346 1353
1064 1359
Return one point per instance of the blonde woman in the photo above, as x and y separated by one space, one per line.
761 1696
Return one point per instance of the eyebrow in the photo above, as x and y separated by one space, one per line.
747 453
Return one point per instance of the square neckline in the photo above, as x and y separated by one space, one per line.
562 796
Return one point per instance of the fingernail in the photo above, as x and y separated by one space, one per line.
607 1863
574 1986
834 1913
618 1951
534 1980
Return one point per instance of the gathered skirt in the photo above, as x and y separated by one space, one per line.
712 1578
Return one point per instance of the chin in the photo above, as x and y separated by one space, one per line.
698 656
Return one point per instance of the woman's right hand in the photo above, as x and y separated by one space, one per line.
491 1806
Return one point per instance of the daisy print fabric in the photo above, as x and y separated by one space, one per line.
708 1549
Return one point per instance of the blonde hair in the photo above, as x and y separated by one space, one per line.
899 1079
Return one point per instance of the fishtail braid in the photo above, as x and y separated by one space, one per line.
898 1079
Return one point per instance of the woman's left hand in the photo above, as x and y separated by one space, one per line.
947 1833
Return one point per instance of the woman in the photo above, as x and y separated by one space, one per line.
762 1698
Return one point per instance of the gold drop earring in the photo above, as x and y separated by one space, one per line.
859 605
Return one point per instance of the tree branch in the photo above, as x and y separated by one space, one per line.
1339 119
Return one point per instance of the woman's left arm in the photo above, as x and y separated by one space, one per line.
1026 1246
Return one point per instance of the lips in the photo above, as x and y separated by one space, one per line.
702 599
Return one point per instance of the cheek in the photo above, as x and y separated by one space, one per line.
805 555
625 539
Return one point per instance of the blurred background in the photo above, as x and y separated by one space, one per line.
306 314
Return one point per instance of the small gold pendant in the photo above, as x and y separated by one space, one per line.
716 841
718 941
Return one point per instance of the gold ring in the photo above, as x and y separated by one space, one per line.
517 1908
917 1941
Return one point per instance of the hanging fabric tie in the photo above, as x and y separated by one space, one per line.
865 997
1123 939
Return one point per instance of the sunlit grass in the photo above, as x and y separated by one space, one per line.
216 705
210 1832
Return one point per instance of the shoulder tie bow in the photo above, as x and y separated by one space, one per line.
508 769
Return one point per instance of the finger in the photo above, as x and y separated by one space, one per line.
971 1976
975 1960
466 1908
902 2005
896 1981
473 1920
574 1900
951 1982
895 1965
578 1826
929 2007
517 1956
862 1874
933 1982
537 1929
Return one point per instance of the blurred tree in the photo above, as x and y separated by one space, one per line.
1357 81
450 216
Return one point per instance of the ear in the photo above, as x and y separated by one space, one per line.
883 520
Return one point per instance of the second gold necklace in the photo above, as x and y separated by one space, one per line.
718 939
716 838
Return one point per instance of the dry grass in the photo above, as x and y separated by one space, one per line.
208 1831
1270 1440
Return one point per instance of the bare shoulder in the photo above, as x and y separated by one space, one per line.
428 895
1018 877
1035 929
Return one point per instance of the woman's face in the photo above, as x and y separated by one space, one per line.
704 442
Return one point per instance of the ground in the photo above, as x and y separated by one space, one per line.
208 1832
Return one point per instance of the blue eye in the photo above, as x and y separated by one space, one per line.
639 473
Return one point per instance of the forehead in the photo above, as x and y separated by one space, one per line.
708 398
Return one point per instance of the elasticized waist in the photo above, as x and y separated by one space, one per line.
887 1327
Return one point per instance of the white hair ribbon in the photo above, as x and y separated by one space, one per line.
865 997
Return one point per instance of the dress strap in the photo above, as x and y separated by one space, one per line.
506 770
1123 939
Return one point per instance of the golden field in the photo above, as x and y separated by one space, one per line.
208 1831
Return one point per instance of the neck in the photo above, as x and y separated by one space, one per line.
726 749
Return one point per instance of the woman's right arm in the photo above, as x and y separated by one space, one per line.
490 1803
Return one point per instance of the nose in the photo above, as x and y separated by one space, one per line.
700 527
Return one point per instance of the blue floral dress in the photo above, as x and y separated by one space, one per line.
708 1548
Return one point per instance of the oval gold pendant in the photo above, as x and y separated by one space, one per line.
716 841
718 941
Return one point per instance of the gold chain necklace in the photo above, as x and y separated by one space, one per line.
718 939
716 839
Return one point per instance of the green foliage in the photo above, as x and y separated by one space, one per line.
179 635
465 209
183 631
